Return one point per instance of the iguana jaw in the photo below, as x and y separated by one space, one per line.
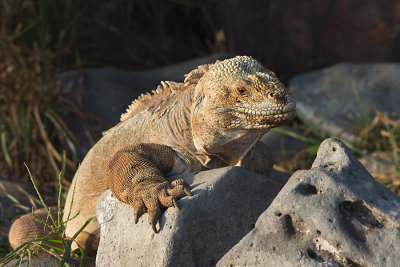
263 115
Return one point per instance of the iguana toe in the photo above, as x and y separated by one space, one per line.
139 209
152 197
179 188
154 214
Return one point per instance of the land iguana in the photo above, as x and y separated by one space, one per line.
213 119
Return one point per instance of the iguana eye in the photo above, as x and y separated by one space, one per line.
241 91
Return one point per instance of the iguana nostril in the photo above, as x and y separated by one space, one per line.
277 95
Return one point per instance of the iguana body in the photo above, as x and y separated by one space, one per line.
211 120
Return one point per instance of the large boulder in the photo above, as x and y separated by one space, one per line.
334 214
225 204
327 97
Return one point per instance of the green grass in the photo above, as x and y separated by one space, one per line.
36 42
55 242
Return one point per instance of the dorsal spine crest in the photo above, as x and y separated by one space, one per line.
167 88
240 66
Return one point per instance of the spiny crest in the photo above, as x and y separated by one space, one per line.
194 76
165 89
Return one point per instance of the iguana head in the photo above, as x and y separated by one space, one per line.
239 93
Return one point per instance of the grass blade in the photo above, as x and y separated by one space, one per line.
296 135
313 127
68 245
39 195
366 119
4 149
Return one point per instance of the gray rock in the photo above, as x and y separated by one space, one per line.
334 214
223 209
326 97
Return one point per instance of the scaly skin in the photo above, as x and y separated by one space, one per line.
213 119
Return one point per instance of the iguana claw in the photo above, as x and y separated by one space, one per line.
175 203
153 196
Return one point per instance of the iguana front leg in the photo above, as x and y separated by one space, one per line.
135 177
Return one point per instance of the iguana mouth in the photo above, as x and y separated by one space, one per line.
257 117
277 111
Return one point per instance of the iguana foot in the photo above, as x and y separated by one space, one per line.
151 196
136 177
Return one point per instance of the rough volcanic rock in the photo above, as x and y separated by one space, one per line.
223 209
326 97
334 214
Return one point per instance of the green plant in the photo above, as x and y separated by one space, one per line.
55 242
35 44
4 245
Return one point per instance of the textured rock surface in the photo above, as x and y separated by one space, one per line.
326 96
334 214
224 208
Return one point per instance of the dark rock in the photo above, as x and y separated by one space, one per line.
326 97
224 207
334 214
